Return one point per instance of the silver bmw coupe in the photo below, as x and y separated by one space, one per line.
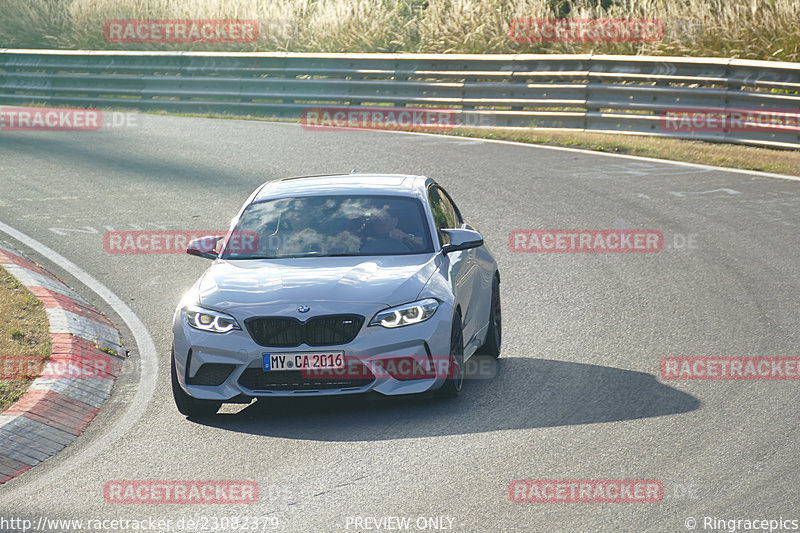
337 284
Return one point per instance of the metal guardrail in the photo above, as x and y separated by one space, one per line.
620 94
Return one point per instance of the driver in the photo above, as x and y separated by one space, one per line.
382 225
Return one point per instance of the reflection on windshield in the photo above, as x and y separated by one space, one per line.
333 226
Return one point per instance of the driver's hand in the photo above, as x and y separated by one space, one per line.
398 234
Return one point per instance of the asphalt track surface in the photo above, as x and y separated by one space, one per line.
577 393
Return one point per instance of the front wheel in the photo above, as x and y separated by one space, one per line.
455 380
187 405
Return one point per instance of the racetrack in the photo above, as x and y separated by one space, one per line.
577 393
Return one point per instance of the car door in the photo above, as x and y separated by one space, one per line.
461 264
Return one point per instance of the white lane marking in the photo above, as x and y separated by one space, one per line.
48 199
147 378
90 230
637 168
730 192
471 141
62 231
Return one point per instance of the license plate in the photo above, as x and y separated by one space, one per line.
303 361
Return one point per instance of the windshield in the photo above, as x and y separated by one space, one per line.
352 225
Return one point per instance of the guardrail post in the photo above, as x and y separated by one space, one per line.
726 134
587 95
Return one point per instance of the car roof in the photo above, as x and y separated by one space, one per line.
370 184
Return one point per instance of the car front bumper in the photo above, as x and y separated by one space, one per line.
372 347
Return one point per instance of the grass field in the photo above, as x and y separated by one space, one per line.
752 29
24 338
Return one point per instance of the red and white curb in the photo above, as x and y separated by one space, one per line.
86 358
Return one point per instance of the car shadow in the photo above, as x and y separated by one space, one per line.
524 393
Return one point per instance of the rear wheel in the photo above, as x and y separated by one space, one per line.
187 405
455 380
491 346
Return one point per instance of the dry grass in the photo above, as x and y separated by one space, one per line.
24 338
721 155
753 29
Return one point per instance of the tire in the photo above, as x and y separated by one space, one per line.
453 385
187 405
491 346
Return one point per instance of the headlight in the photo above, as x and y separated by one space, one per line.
405 315
208 320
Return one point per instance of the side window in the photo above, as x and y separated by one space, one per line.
445 214
455 214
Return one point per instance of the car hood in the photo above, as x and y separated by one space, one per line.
388 280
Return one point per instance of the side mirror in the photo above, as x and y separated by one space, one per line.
461 239
204 246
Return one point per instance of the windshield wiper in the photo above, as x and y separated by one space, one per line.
293 256
245 258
